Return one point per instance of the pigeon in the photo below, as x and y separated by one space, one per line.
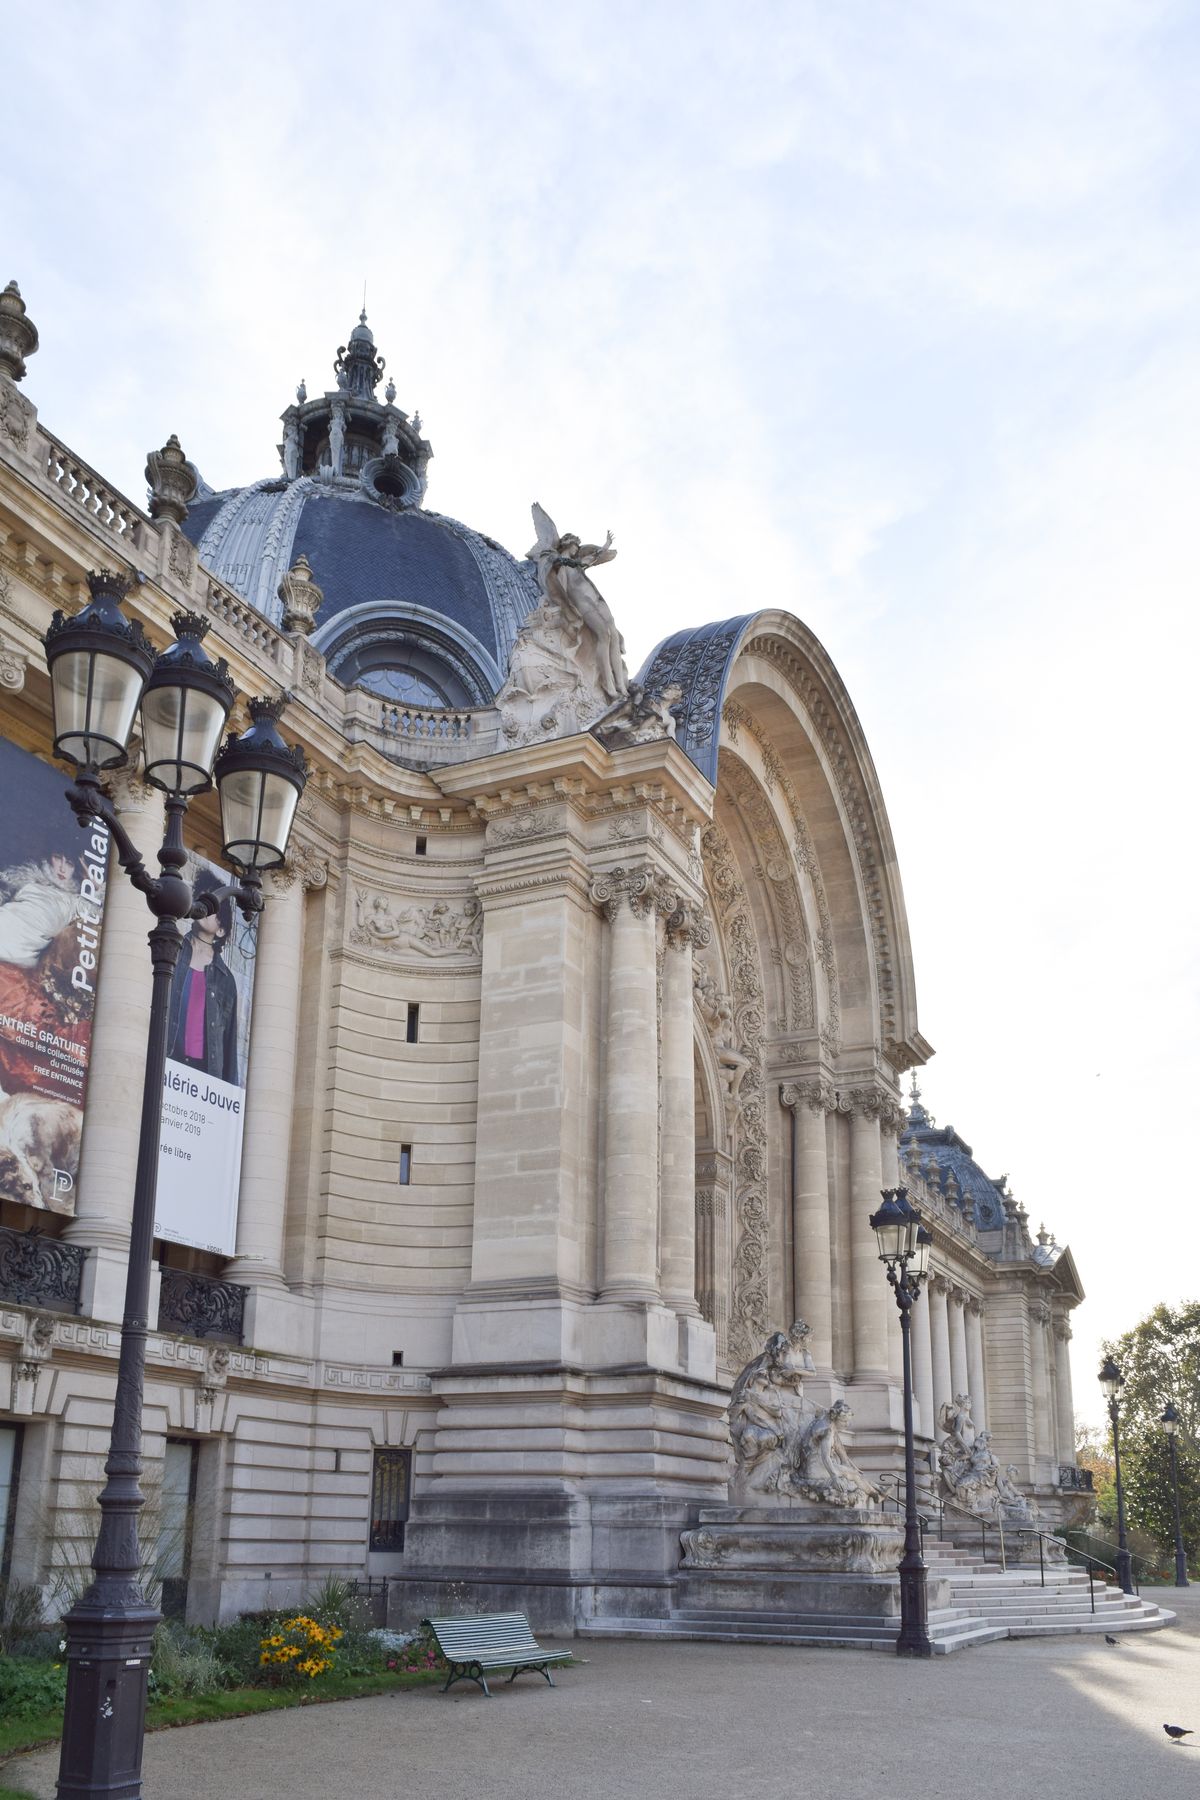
1175 1732
1111 1640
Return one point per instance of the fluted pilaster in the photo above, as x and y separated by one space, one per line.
630 1224
810 1102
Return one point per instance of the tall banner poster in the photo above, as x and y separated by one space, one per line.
204 1086
52 886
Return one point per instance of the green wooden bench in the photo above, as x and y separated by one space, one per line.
491 1641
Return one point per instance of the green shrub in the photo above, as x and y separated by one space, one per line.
28 1688
184 1662
20 1615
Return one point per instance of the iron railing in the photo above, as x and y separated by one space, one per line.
201 1307
40 1271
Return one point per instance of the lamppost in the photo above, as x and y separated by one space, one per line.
102 668
1170 1424
1111 1381
904 1246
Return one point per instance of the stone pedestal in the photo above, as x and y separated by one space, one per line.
811 1562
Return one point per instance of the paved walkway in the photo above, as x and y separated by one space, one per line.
1069 1718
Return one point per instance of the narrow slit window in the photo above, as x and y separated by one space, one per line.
397 1359
422 846
405 1164
413 1028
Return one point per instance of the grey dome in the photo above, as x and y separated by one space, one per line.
410 596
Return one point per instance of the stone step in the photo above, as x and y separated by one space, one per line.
945 1636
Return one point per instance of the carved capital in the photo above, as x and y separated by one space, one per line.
974 1306
308 864
1062 1330
687 925
874 1102
639 887
941 1284
818 1095
1040 1313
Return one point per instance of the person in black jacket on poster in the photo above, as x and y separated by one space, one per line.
203 1028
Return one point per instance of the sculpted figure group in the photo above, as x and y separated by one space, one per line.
784 1447
971 1473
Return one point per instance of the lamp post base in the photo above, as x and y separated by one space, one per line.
1125 1571
108 1659
914 1611
1181 1574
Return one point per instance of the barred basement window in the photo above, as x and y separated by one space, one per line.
391 1475
412 1029
405 1164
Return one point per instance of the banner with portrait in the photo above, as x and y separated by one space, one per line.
204 1086
52 887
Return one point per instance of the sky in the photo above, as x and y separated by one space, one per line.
883 314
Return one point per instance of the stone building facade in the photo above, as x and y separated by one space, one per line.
579 1029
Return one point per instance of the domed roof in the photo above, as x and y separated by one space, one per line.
416 605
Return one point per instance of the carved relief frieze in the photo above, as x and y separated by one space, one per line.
386 924
530 822
13 663
742 1028
16 415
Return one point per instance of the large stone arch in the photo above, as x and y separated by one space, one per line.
766 678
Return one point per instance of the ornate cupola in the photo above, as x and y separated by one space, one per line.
348 436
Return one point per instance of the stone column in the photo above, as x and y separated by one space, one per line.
939 1340
1064 1396
809 1103
872 1295
678 1149
117 1065
630 1223
1042 1398
270 1083
713 1247
976 1377
922 1358
958 1342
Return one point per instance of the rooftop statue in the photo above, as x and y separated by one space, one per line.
563 563
567 666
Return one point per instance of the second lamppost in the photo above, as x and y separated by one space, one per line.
1170 1424
904 1246
1111 1382
102 669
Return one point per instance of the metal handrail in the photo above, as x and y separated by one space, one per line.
945 1505
1133 1555
1090 1562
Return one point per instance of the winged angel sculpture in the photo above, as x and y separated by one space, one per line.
568 663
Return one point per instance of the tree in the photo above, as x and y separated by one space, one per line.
1146 1474
1160 1360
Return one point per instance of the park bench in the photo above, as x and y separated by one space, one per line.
492 1641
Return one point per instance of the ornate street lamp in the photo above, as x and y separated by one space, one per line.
101 668
1170 1424
1111 1382
904 1246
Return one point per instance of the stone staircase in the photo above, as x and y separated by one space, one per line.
986 1603
1014 1602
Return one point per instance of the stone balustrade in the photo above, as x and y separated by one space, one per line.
244 621
79 484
